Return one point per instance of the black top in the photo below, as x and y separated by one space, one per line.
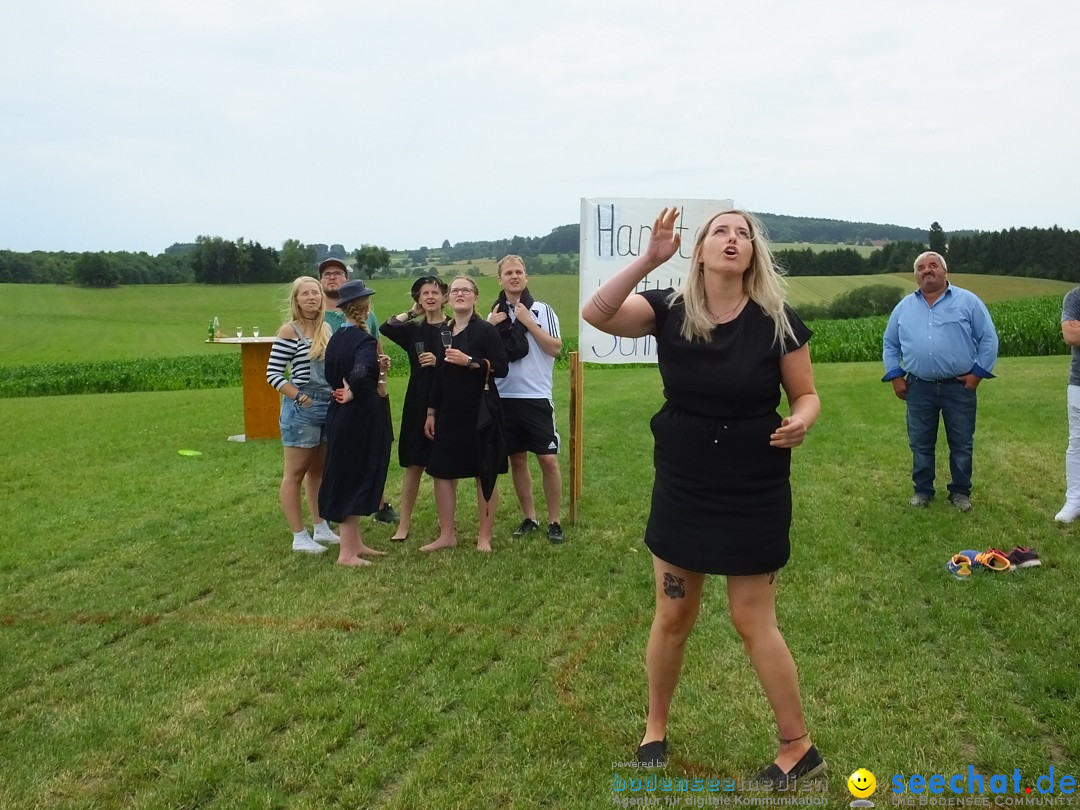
455 396
413 447
735 375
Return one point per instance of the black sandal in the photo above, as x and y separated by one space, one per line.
653 754
811 765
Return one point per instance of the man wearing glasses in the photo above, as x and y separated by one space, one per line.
332 274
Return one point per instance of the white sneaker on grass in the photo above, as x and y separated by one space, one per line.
324 534
306 545
1069 513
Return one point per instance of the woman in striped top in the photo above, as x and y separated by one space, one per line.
300 344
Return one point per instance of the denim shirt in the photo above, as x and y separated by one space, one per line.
951 337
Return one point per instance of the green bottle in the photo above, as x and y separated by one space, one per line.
210 332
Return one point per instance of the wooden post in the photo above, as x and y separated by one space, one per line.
577 432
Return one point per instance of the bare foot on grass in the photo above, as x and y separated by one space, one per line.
368 551
440 543
353 561
483 544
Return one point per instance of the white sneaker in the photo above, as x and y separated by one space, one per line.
1068 513
306 545
326 535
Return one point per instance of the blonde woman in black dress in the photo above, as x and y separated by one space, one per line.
357 441
727 343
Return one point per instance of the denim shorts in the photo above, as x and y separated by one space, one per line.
304 427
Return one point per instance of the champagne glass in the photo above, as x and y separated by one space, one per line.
447 338
239 331
255 331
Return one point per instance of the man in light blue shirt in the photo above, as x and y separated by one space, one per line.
938 346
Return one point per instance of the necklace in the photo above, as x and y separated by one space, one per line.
727 315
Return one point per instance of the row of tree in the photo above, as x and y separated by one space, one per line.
1052 253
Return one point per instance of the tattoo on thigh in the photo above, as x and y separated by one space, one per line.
772 577
674 587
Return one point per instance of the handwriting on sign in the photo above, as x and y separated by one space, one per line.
618 241
610 346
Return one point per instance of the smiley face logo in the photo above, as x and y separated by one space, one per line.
861 783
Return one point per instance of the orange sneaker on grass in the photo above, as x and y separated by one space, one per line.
992 560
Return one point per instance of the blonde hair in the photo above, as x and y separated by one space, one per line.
510 257
357 311
476 290
321 336
763 281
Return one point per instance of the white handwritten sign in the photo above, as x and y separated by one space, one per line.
614 231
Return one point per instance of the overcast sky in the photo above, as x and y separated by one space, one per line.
133 124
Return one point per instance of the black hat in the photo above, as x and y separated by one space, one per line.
420 282
353 290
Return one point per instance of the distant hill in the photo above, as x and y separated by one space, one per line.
782 228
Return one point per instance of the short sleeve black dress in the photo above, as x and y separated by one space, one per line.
721 500
357 441
455 395
414 448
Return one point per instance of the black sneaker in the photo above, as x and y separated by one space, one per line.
811 765
387 515
555 534
528 526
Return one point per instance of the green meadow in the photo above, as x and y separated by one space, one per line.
162 647
55 324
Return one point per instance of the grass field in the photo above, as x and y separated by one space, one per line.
46 324
163 648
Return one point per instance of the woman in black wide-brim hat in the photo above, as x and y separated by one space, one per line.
357 441
419 337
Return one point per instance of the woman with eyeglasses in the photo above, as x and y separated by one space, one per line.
419 337
727 343
461 391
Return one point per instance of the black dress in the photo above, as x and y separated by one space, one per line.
357 441
721 500
455 396
414 448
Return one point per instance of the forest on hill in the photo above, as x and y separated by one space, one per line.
1051 253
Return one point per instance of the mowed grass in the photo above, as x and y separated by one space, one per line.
50 324
162 647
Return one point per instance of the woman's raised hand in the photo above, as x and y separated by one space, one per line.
664 241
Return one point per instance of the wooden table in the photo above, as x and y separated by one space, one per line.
262 404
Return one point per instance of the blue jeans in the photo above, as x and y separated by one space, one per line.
956 404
